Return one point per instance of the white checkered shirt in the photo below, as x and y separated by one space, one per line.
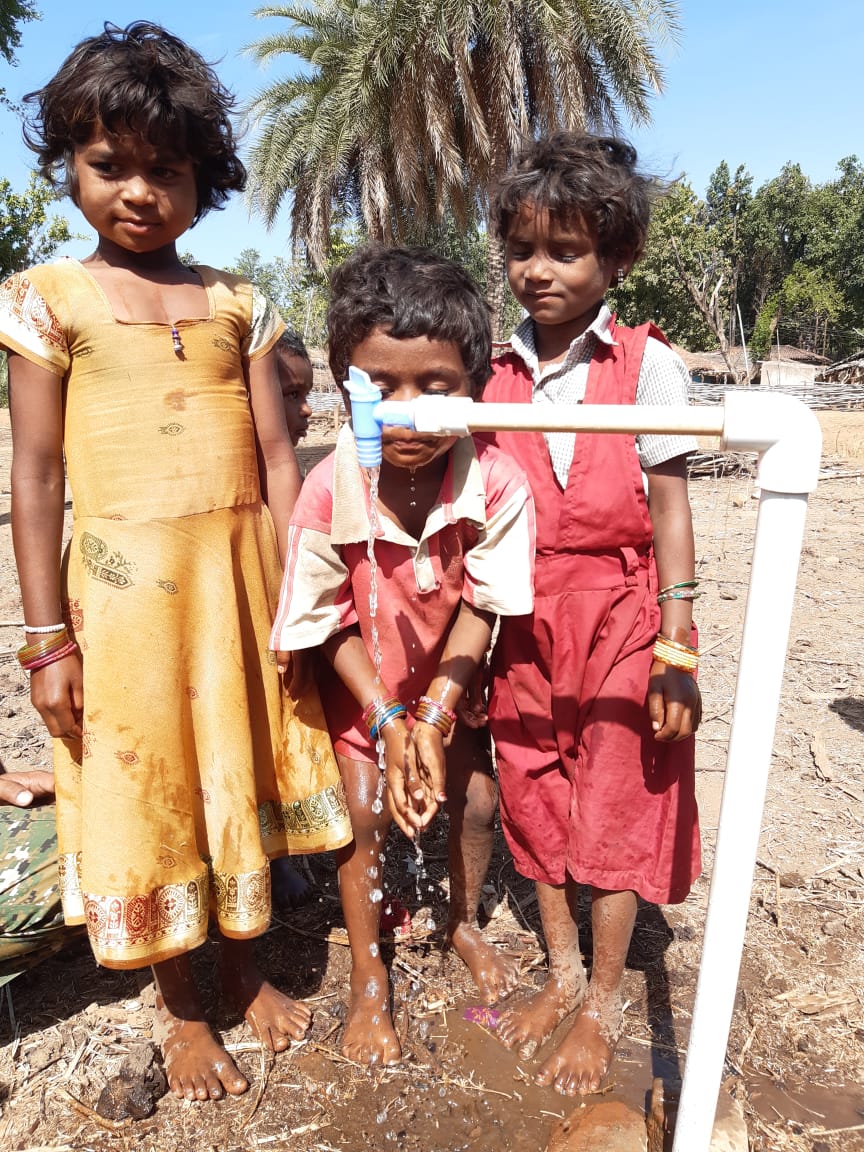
663 379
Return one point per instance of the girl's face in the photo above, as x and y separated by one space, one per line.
554 270
407 368
136 196
295 381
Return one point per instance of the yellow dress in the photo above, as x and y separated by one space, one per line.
194 766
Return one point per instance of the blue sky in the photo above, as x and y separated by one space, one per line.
752 82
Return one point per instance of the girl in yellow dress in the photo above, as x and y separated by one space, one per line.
180 764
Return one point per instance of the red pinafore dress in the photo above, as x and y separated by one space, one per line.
586 790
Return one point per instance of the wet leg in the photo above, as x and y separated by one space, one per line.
530 1023
196 1064
369 1036
472 802
275 1018
584 1056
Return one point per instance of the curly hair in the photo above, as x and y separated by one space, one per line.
137 80
577 175
408 292
292 345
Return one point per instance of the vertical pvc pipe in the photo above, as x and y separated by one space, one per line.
776 553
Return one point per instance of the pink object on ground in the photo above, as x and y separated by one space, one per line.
480 1014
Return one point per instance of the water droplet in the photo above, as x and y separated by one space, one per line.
376 895
377 806
373 949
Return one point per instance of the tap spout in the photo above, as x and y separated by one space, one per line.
366 421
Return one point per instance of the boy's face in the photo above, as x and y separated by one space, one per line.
295 380
554 270
405 369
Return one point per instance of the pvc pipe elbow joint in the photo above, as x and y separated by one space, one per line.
783 430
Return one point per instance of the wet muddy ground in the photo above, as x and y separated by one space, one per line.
795 1059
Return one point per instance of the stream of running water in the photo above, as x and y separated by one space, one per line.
380 747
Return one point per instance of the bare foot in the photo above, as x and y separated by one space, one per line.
529 1024
275 1018
369 1036
495 974
196 1064
578 1066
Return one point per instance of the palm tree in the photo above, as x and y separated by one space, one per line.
407 110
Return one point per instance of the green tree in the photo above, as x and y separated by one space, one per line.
404 111
13 13
773 237
28 235
298 290
726 201
655 290
811 298
835 234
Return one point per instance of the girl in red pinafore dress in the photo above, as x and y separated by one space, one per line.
594 702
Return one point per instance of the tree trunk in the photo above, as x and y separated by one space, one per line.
706 296
495 282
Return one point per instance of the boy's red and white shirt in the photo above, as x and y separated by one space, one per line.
484 491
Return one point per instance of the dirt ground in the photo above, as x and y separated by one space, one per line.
795 1058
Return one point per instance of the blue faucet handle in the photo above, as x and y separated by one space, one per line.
364 396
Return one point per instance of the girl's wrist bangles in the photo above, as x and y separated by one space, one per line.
683 590
44 630
380 712
676 655
42 646
429 711
31 657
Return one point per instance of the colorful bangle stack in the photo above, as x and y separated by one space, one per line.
683 590
54 646
382 712
676 655
429 711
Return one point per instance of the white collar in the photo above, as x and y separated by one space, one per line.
462 496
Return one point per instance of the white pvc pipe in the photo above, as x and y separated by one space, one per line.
776 551
458 416
787 436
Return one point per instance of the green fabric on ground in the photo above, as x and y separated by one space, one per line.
31 920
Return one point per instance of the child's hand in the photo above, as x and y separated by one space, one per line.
674 702
297 667
471 708
24 789
57 694
407 794
429 747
